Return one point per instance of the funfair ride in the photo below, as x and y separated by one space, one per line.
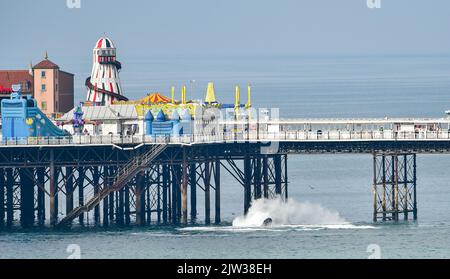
104 85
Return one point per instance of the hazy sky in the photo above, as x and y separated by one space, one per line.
222 27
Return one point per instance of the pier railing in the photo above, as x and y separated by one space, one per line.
228 137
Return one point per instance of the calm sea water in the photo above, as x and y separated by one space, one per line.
351 86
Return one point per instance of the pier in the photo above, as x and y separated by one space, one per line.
143 180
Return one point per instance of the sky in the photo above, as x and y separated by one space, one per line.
221 28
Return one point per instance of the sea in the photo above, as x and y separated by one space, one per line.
329 212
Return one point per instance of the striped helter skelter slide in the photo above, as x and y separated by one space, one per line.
104 85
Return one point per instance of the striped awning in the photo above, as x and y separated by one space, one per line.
155 98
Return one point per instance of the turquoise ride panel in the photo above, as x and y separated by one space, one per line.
22 118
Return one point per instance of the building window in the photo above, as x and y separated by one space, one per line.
43 88
44 105
43 74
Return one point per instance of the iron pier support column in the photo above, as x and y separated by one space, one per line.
96 185
405 187
2 197
384 202
53 191
265 169
105 200
278 174
165 186
81 177
40 173
193 185
112 172
178 176
217 191
207 183
414 184
175 199
184 185
374 188
286 178
26 198
9 197
159 193
127 205
395 189
140 199
170 204
247 183
69 189
121 208
257 178
148 203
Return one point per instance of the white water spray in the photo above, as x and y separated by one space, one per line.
288 213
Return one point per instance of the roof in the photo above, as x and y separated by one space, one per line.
149 116
112 112
10 77
154 99
210 94
161 117
125 110
104 42
67 73
175 115
46 64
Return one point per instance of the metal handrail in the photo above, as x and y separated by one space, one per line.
289 135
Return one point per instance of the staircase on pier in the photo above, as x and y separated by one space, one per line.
120 180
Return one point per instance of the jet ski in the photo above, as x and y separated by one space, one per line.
267 222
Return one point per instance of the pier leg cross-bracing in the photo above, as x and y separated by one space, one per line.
394 186
160 183
155 184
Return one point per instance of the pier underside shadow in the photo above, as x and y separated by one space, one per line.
103 185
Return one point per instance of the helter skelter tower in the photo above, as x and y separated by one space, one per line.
104 83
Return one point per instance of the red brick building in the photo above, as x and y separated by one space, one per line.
8 78
52 88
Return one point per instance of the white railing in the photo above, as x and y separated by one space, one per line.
229 137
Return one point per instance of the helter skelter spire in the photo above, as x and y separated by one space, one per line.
104 85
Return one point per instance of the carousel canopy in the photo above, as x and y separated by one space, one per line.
155 98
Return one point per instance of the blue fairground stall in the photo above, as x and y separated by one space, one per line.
163 126
21 118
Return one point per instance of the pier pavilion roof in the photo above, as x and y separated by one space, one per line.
111 112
